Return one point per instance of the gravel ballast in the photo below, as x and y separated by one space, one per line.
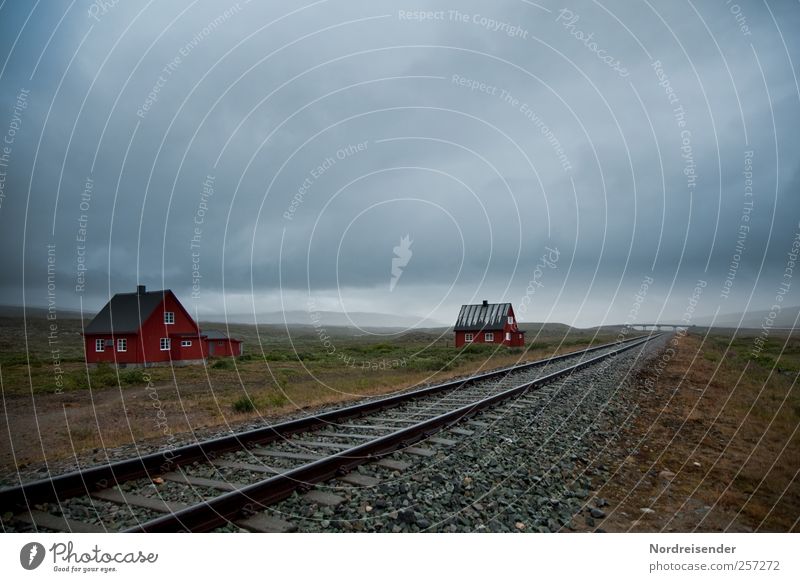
528 466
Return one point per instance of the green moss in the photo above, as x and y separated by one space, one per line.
224 364
243 404
132 377
274 399
20 359
268 400
103 376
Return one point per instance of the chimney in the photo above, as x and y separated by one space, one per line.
485 303
140 289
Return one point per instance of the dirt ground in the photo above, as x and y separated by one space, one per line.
714 447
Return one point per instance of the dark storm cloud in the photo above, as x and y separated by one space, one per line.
297 146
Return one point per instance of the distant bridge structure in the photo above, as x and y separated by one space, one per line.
658 326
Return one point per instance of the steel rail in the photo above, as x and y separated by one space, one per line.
85 481
218 511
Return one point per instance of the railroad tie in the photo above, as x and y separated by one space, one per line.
323 498
263 523
359 479
419 451
441 441
246 467
378 427
201 481
319 444
462 431
400 420
348 435
152 503
58 522
285 455
393 465
478 423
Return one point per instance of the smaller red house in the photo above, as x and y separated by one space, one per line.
148 328
488 323
219 345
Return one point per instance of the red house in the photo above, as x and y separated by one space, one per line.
219 345
489 323
146 328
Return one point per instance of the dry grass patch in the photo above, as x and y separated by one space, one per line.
725 424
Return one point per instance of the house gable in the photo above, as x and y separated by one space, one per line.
169 302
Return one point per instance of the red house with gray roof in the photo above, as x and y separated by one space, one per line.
488 323
147 328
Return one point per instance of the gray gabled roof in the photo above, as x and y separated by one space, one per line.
126 312
490 317
215 334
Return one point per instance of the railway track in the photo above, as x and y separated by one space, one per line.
233 479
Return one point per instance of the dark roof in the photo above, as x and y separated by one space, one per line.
215 334
126 312
491 316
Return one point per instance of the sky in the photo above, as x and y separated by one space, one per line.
588 162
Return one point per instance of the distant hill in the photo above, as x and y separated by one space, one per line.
360 319
41 312
533 328
752 319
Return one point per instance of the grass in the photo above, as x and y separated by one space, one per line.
103 376
243 404
224 364
724 419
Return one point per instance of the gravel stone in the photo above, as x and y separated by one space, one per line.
531 463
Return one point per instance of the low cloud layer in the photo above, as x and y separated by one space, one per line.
252 157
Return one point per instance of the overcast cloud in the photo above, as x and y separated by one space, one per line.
329 131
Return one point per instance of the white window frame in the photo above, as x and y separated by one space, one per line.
508 336
468 338
99 345
488 336
169 318
165 344
186 343
122 344
510 320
